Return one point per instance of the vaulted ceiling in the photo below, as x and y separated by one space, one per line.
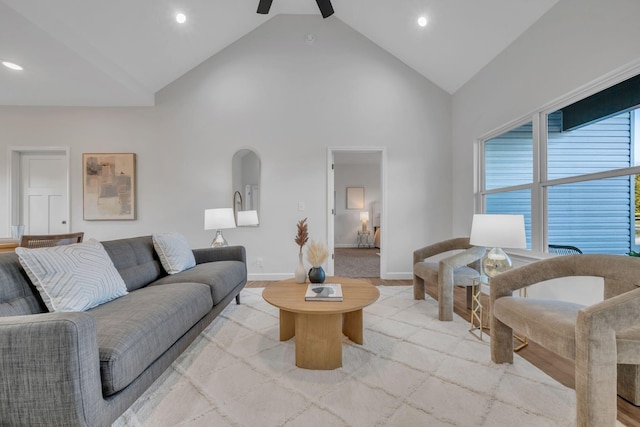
121 52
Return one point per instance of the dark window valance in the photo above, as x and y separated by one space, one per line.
614 100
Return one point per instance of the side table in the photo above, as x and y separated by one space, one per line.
364 238
8 245
480 285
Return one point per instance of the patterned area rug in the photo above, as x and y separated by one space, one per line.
357 262
412 370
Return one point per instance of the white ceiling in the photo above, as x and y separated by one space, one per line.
121 52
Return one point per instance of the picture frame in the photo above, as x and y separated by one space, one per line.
355 197
109 186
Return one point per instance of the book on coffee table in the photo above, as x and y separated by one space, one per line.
323 292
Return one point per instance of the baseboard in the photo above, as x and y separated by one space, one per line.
397 276
269 276
284 276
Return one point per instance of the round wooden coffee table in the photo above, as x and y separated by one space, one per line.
318 325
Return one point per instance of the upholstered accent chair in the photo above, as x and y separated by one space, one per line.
603 338
446 264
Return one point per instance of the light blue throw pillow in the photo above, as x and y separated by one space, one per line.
73 277
174 252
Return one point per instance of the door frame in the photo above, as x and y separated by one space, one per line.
331 203
14 174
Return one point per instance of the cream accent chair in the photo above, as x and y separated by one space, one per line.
603 338
451 270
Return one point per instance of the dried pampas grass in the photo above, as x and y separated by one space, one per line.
303 234
317 254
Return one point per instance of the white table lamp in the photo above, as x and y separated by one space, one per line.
219 219
247 218
497 231
364 217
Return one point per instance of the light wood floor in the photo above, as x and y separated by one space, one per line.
559 368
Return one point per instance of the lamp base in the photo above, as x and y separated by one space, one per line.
495 261
219 241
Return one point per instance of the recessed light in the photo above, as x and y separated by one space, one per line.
422 21
181 18
12 66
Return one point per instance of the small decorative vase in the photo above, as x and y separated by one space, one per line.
301 273
316 275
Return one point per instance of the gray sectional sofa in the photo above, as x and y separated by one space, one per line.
87 368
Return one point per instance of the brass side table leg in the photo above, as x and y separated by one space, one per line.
523 343
476 310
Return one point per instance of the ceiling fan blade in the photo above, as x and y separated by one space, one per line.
325 8
264 6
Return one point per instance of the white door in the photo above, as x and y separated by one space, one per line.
44 198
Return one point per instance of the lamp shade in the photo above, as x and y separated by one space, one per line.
364 216
216 219
247 218
498 231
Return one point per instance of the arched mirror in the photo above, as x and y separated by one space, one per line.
246 187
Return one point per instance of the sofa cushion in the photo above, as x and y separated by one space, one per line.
17 295
136 260
73 277
174 252
221 276
133 331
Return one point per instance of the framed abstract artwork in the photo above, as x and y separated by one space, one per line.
355 197
109 186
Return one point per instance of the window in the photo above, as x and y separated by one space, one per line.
584 192
597 216
509 158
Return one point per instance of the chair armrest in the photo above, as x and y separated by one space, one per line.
437 248
464 258
504 284
49 369
612 268
227 253
616 313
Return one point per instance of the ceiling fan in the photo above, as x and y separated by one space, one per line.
325 7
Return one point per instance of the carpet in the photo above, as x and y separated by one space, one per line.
412 370
356 262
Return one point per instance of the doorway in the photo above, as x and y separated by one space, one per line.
39 189
359 171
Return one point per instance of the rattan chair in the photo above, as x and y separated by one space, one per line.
48 240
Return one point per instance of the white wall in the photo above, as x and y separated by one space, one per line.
347 221
576 43
287 100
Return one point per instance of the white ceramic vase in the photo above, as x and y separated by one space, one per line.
301 272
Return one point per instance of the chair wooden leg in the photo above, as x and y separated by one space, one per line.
596 372
501 342
445 299
418 287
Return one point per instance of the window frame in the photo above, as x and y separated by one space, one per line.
540 184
